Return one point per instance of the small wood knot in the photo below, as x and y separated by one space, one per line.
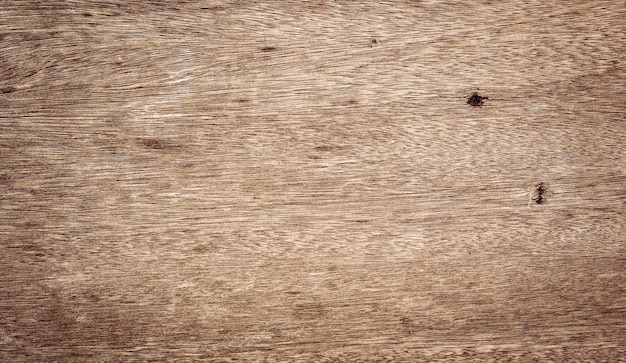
539 193
476 99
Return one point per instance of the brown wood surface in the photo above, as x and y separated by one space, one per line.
305 181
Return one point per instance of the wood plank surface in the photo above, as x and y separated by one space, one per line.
305 181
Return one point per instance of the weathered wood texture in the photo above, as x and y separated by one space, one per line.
305 181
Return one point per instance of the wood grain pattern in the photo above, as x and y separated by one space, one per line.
305 181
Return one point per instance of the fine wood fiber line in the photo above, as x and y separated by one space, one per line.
320 181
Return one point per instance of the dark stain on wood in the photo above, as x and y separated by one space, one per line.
269 49
327 148
5 179
309 311
204 248
213 8
539 193
476 99
9 89
407 326
158 144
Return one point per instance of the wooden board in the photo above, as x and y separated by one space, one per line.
305 181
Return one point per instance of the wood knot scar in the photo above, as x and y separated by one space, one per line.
538 195
476 99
